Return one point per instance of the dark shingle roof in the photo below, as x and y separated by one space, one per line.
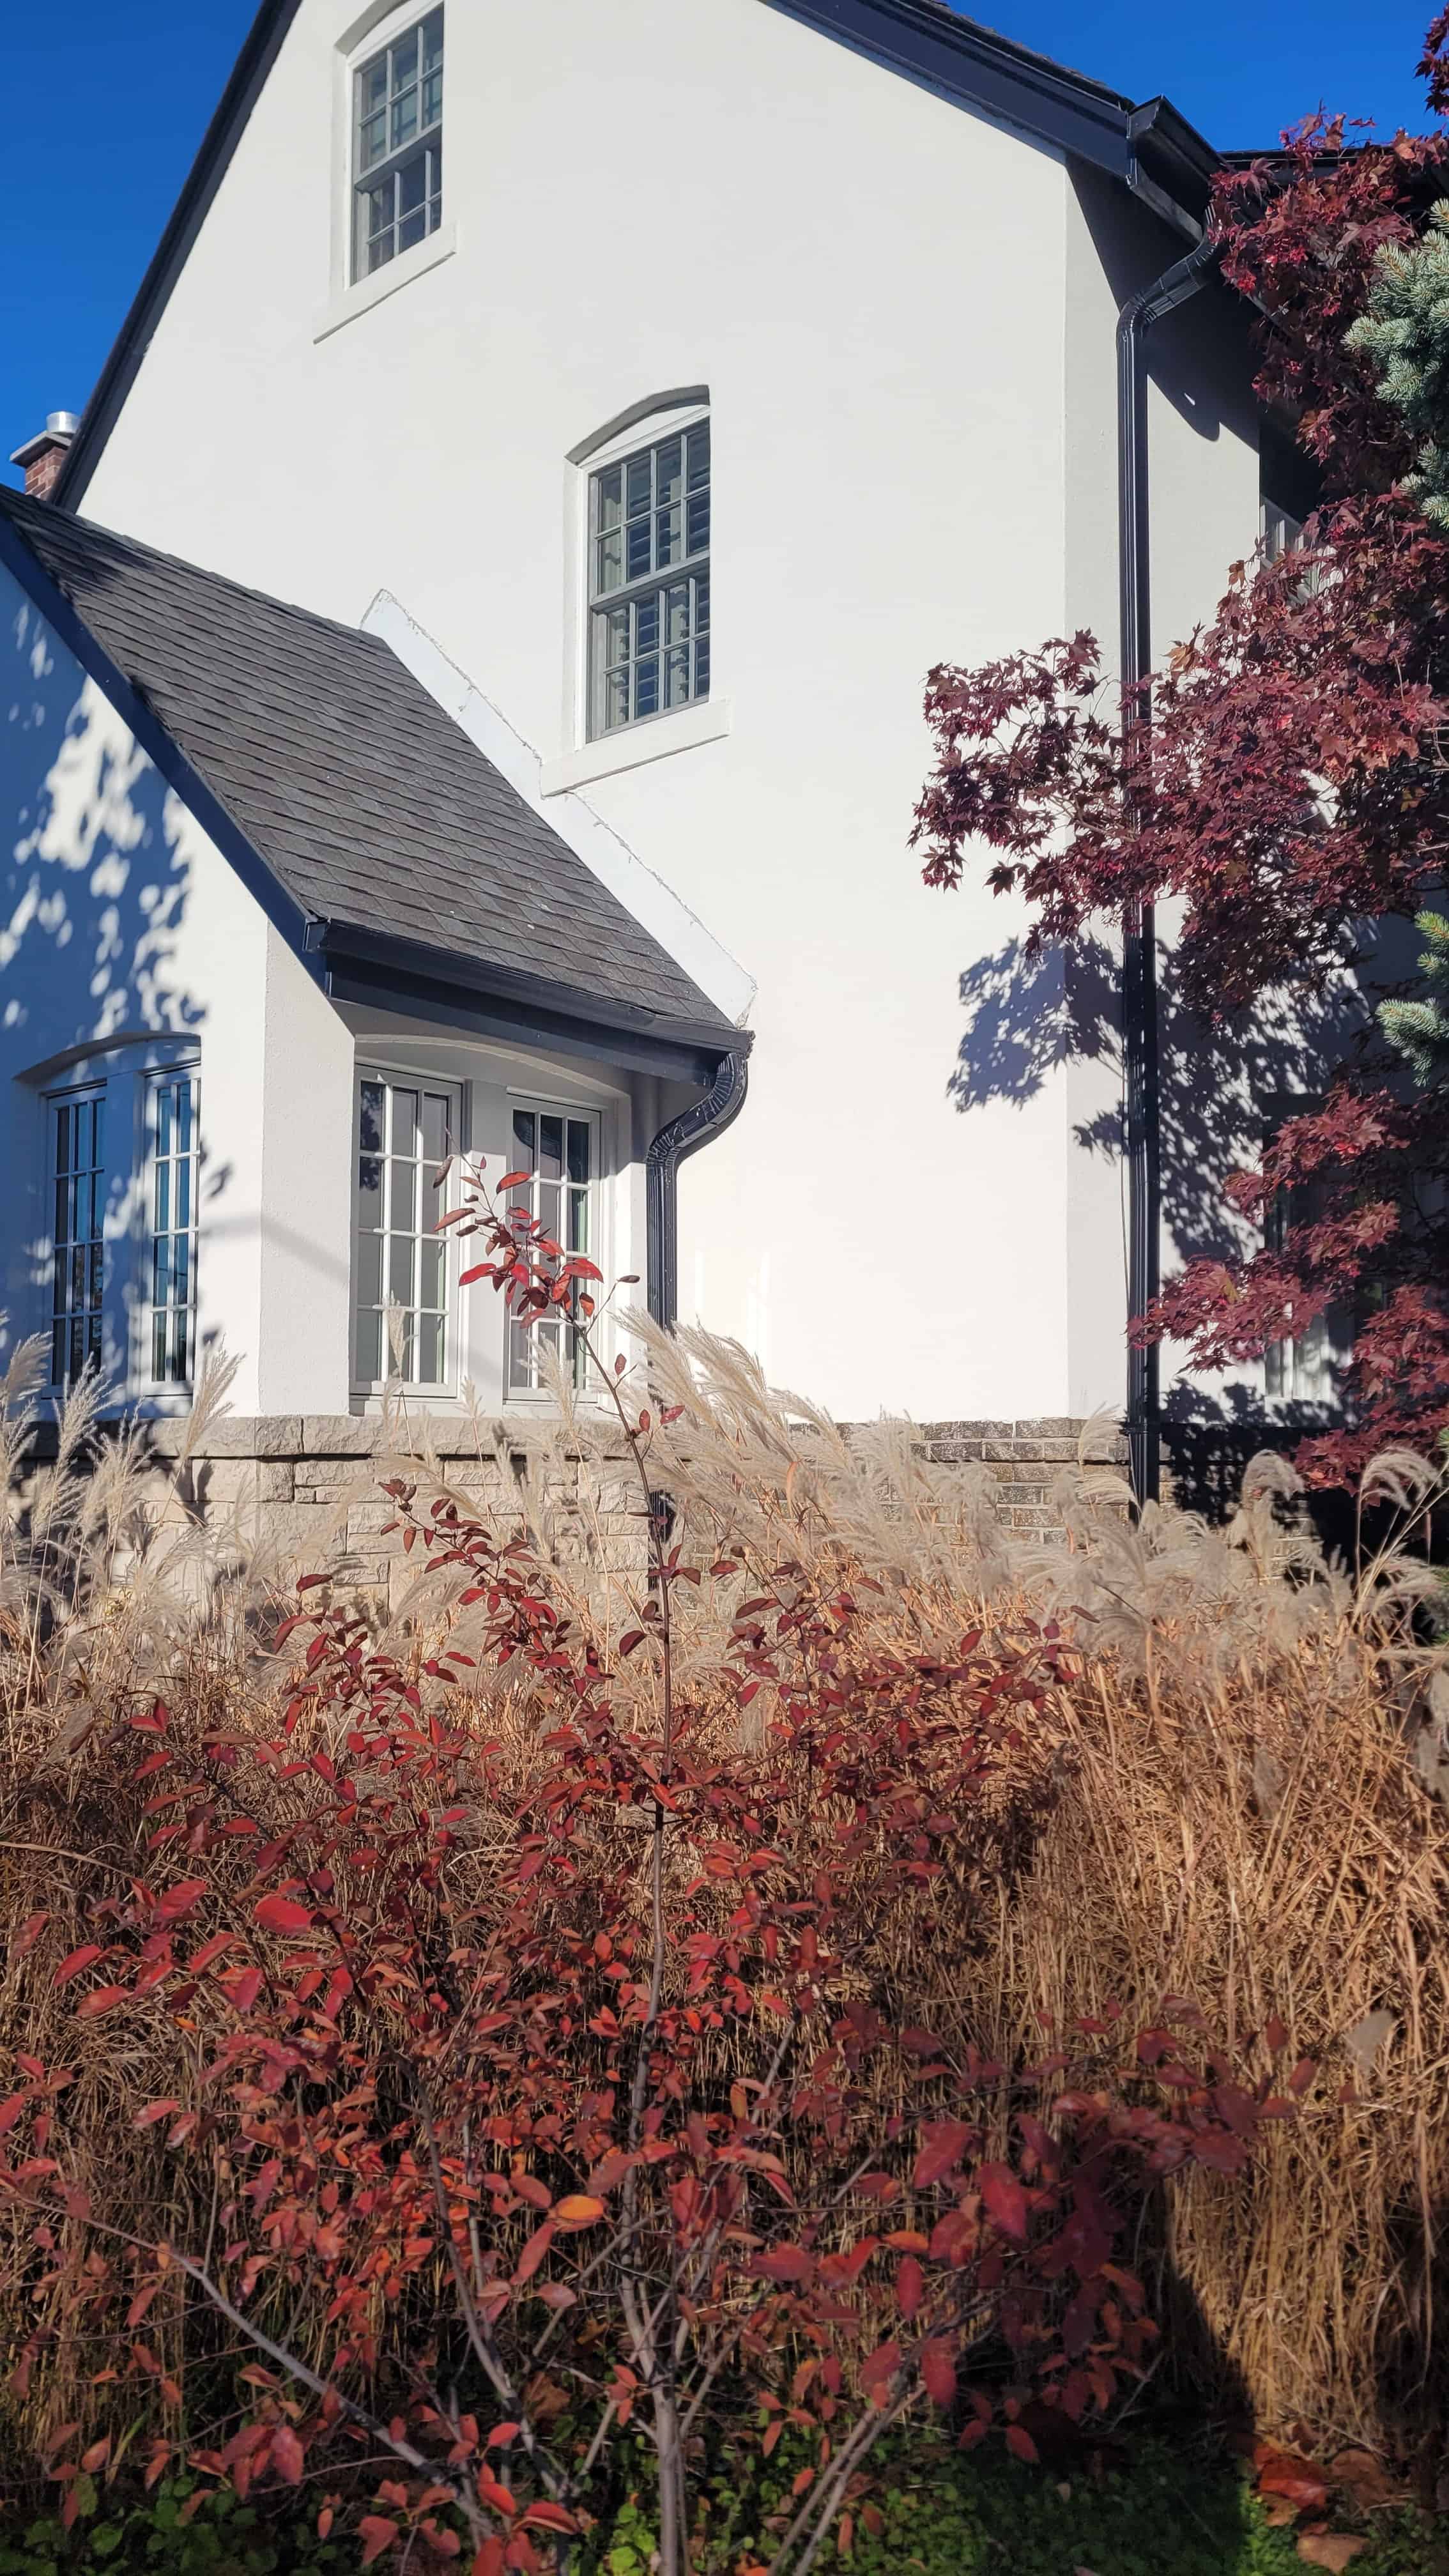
359 792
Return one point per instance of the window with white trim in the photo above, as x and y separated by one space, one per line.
172 1151
406 1129
1304 1368
648 581
76 1163
397 146
558 1149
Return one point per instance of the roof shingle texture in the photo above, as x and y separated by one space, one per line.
360 792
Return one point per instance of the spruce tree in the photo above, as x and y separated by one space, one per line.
1420 1029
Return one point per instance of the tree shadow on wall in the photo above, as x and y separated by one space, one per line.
1032 1017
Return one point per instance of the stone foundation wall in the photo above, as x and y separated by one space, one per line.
308 1486
1025 1457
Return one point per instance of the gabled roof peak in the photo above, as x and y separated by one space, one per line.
1149 147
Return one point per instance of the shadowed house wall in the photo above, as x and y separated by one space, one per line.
128 946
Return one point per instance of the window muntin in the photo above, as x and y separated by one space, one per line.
649 519
77 1166
405 1132
558 1149
172 1140
397 146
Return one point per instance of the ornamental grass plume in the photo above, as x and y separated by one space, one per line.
1029 2001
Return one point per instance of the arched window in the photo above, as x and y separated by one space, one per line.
648 576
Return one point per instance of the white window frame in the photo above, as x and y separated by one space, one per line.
405 1077
383 23
124 1070
150 1083
544 1105
65 1097
1294 1376
645 424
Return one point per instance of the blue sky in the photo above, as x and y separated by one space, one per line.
116 101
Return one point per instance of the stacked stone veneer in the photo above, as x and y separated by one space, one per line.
1024 1458
308 1486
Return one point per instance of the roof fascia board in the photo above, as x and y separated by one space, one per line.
365 985
967 65
260 48
358 944
281 907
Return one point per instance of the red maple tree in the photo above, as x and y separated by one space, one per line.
1293 787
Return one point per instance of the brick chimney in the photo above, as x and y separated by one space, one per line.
43 457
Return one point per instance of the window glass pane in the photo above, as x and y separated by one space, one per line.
640 489
637 556
609 563
699 456
698 523
435 1126
369 1347
669 538
550 1147
430 1350
669 471
523 1133
609 498
431 1255
676 613
371 140
369 1270
578 1150
646 686
646 624
400 1268
676 679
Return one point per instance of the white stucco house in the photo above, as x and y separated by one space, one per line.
463 681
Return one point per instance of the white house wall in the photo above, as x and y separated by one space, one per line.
881 294
127 942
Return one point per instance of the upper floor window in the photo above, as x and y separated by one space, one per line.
398 146
649 581
405 1132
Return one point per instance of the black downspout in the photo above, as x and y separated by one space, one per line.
1139 932
705 1118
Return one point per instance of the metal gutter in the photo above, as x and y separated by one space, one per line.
1140 1032
680 1137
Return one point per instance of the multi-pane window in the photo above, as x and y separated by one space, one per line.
171 1114
78 1252
398 146
557 1149
405 1132
1305 1368
649 581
